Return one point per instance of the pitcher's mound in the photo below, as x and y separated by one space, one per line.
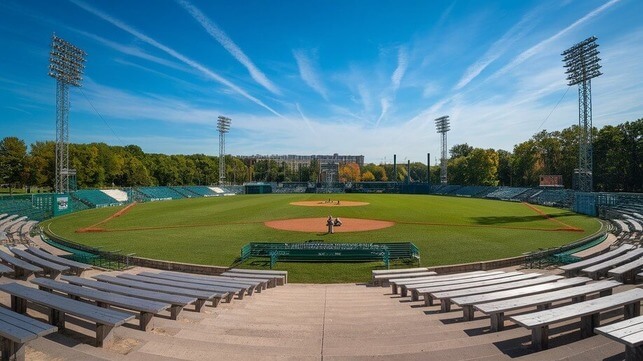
329 204
318 225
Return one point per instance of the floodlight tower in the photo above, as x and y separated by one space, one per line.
581 61
442 124
66 64
223 126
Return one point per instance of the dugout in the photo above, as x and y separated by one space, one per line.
257 188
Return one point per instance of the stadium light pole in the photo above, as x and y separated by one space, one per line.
442 124
66 65
581 62
223 126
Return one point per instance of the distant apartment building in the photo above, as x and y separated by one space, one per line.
294 162
328 164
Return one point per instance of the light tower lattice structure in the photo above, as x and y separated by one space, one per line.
66 65
581 62
442 124
223 126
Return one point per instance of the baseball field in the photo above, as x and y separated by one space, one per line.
447 230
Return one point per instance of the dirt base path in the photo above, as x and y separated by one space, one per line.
318 225
338 203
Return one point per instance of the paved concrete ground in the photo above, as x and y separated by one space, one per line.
319 322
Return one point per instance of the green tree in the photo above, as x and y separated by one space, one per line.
504 168
525 164
13 159
460 150
136 174
482 167
43 163
418 172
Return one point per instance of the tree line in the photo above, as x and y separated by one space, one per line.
618 164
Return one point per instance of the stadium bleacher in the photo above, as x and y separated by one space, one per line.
445 189
506 193
159 193
553 197
202 191
23 206
94 198
118 194
474 191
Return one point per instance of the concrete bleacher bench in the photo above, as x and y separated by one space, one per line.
177 302
280 277
415 295
386 278
21 268
599 270
76 267
16 330
628 332
467 302
573 269
428 292
278 274
272 280
399 284
404 284
260 284
146 309
624 227
7 220
201 296
106 319
5 269
588 311
635 223
496 310
626 273
226 292
54 270
248 287
446 296
394 271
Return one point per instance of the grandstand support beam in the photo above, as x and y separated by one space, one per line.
66 64
394 167
428 169
581 62
223 126
442 125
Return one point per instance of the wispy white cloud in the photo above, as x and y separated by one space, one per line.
133 51
308 72
225 41
497 49
209 73
304 117
123 105
402 65
385 104
522 57
18 110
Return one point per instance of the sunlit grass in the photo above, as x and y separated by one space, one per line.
447 230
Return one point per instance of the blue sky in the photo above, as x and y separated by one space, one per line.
316 77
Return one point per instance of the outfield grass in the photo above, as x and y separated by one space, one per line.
447 230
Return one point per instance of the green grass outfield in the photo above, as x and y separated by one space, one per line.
447 230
